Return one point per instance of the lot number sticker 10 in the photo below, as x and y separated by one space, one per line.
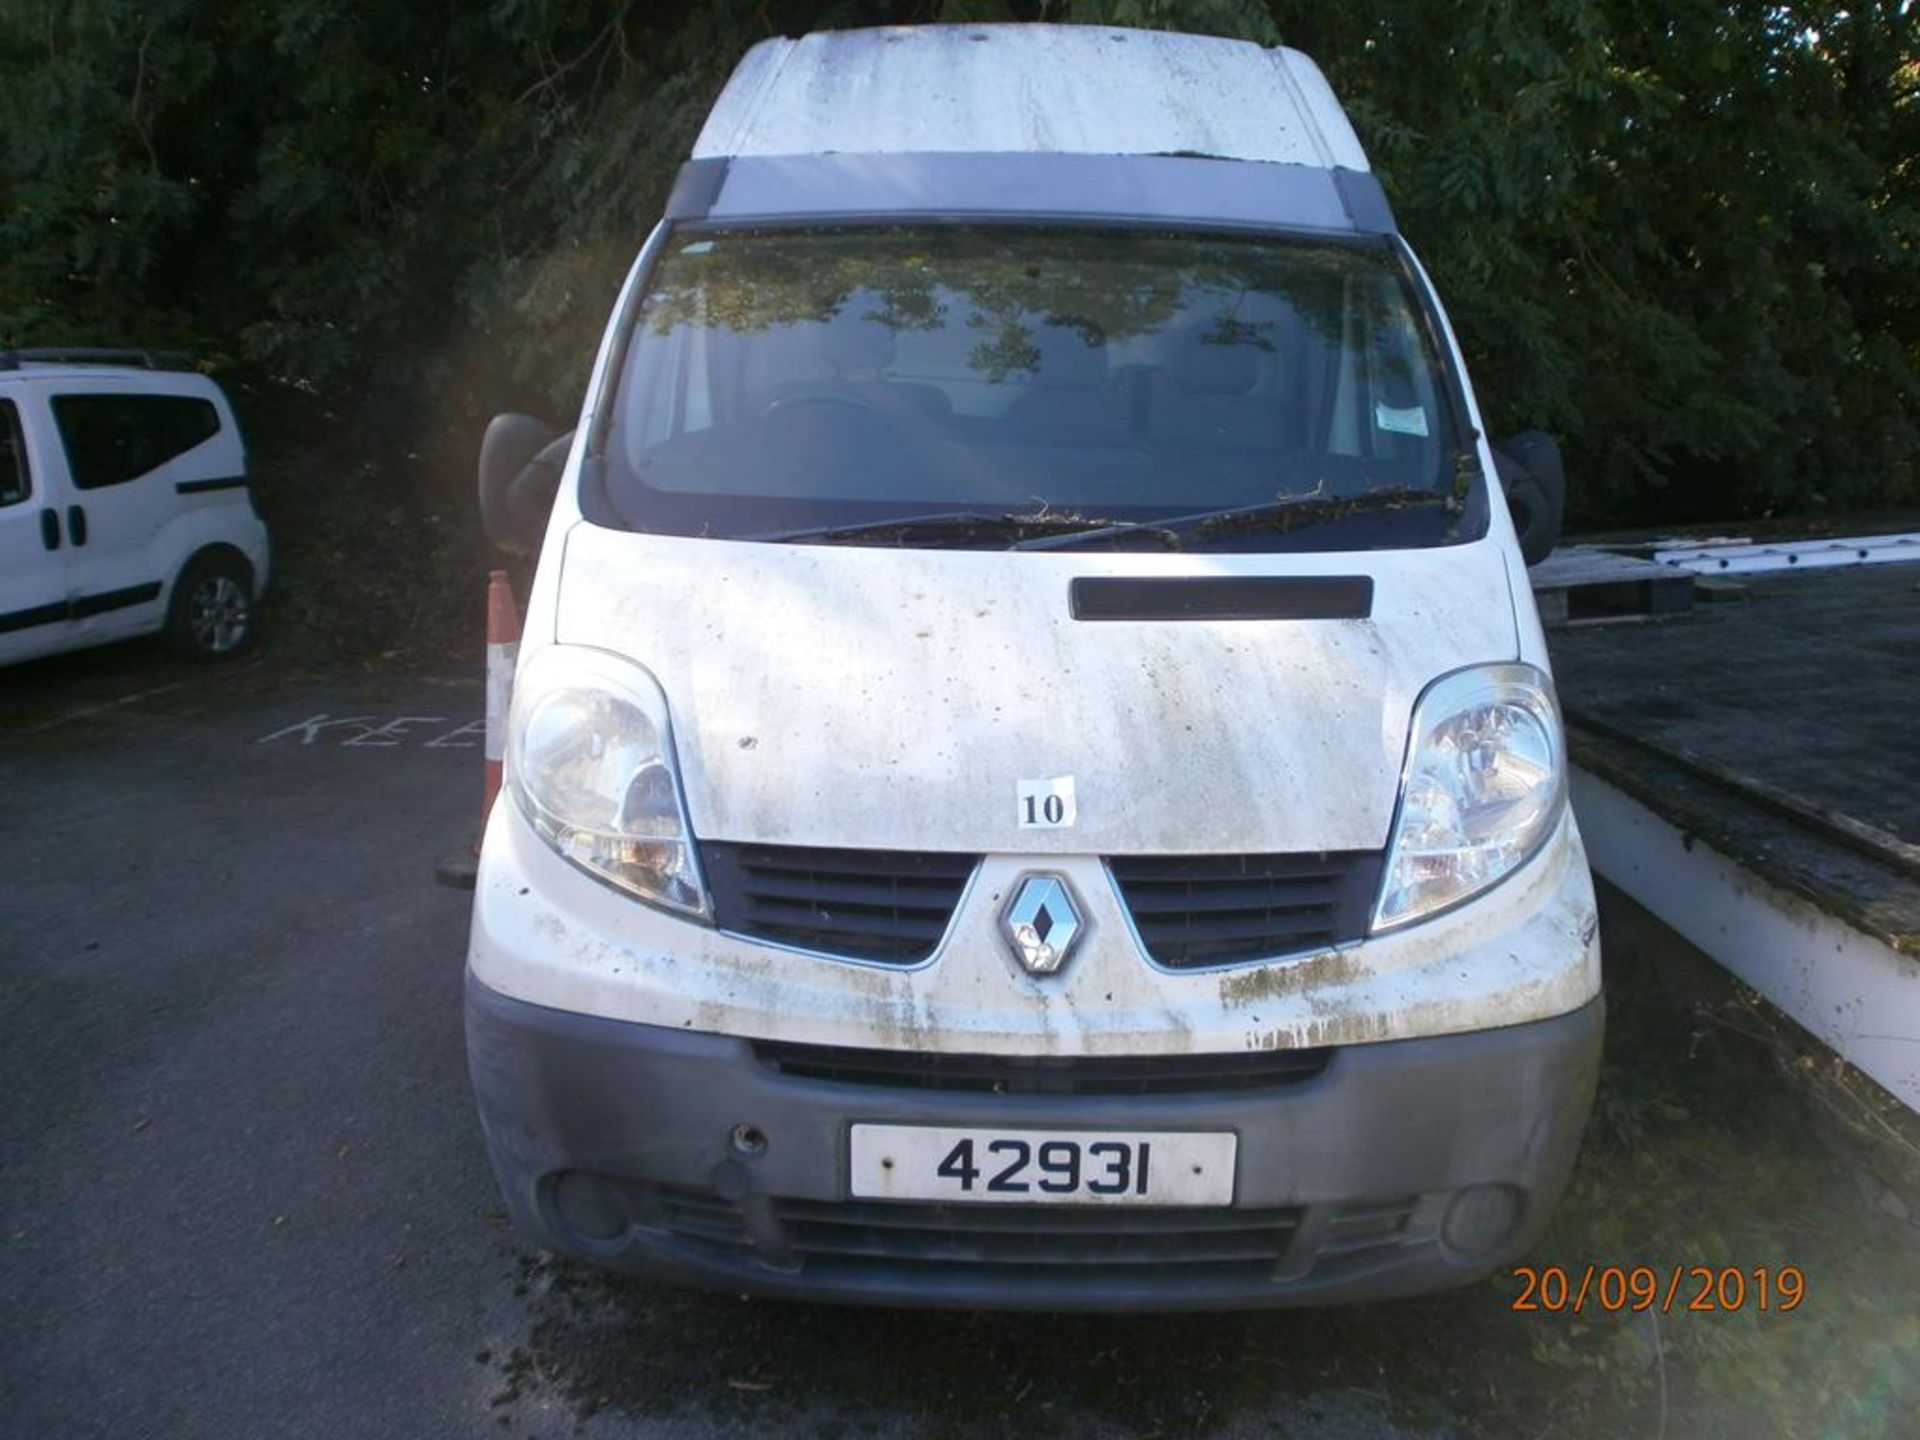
1045 804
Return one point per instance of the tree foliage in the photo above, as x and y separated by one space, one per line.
1685 237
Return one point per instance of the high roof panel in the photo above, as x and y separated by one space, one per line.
1066 89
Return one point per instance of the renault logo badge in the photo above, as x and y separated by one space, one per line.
1042 923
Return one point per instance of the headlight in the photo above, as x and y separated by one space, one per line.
590 762
1484 785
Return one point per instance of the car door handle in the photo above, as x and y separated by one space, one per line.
50 529
76 525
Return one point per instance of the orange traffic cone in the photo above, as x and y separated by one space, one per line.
460 869
503 650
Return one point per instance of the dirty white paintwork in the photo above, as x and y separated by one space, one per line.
546 933
549 934
857 696
1850 989
1064 89
895 698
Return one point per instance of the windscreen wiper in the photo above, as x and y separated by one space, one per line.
1313 508
953 524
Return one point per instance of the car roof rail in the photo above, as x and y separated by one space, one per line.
95 355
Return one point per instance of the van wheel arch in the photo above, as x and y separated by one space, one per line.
210 610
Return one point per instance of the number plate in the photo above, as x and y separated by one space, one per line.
1043 1167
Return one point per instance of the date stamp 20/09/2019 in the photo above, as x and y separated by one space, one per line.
1611 1289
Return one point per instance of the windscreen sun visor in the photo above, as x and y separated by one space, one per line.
1185 188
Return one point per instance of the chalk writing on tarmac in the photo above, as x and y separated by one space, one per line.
380 732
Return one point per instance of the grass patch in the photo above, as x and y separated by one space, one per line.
1721 1138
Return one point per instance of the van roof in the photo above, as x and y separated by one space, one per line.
120 360
1052 89
66 370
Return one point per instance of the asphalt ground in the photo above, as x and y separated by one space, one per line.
243 1192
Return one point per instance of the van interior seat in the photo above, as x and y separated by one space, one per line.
1216 390
853 352
1069 386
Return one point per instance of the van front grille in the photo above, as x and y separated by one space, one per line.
889 907
1196 910
1023 1240
1033 1245
1048 1075
1354 1232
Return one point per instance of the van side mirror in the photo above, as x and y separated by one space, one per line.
520 463
1536 486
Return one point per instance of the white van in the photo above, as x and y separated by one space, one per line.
124 507
1032 777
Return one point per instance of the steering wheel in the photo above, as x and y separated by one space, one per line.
787 403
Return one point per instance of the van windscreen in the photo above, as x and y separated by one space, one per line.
794 383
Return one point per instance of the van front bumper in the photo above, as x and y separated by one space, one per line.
1392 1167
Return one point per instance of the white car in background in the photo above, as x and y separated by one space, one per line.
124 507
